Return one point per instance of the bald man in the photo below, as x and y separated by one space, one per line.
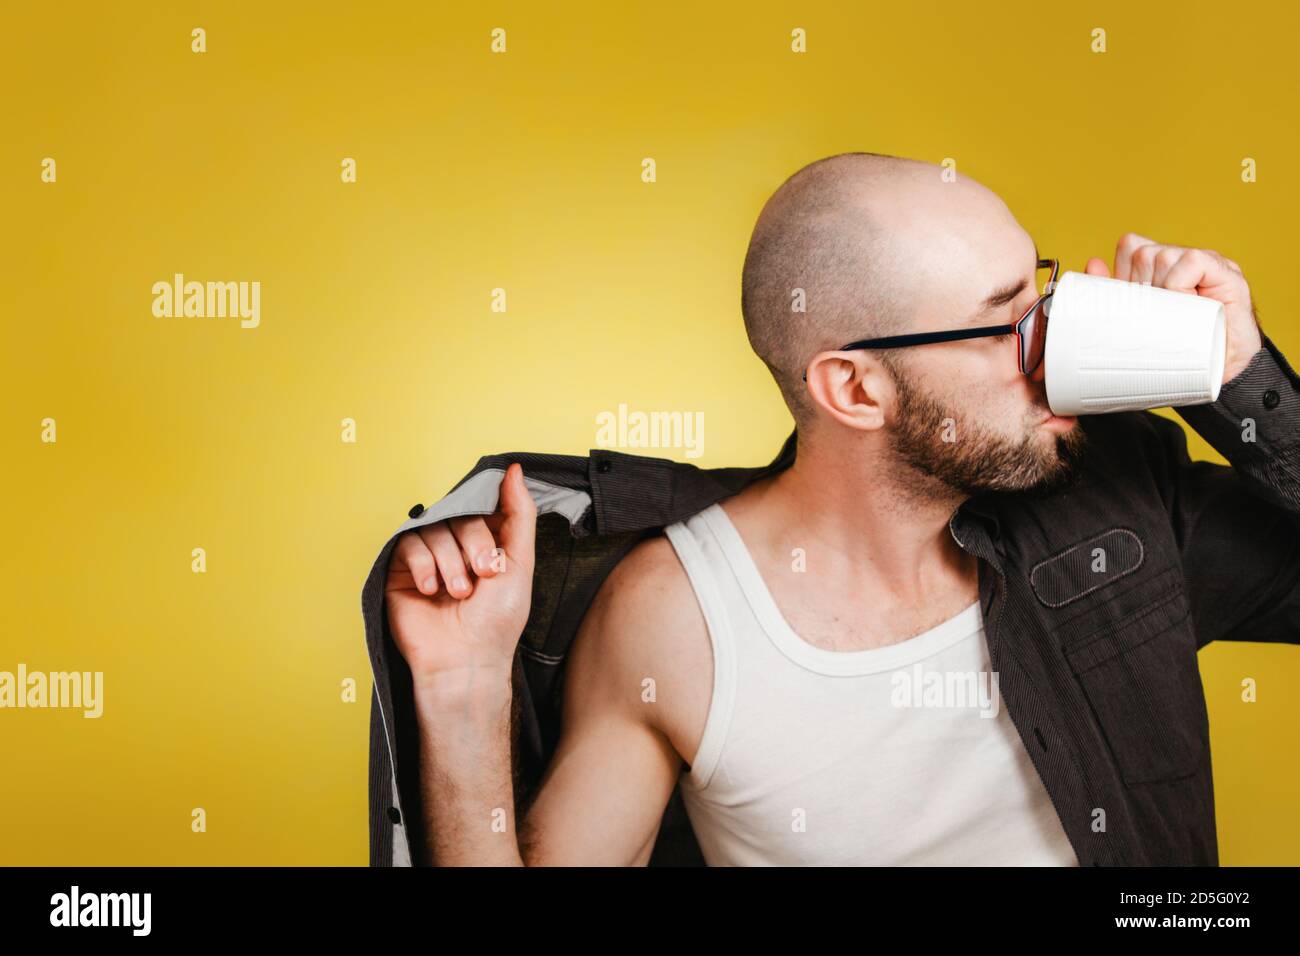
784 698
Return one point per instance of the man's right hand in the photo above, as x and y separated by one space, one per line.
613 770
453 630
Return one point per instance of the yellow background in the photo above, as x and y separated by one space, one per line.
522 170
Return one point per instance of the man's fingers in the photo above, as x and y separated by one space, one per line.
441 554
451 565
476 543
413 560
1202 269
1128 244
1164 259
1142 262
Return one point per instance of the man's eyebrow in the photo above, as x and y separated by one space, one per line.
1008 293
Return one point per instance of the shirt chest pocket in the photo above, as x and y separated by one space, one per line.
1140 676
1122 620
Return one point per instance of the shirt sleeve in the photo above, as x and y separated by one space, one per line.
1238 525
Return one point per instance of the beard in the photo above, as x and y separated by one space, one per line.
976 459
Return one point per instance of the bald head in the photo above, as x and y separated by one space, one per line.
843 250
861 245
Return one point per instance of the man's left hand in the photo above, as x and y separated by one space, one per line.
1200 271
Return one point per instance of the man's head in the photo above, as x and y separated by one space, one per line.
863 245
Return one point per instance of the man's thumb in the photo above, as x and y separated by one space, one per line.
520 513
1097 267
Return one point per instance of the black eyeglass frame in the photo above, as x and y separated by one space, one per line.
954 335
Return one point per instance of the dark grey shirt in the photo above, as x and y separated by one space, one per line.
1096 659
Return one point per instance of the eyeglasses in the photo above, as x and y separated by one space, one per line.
1030 329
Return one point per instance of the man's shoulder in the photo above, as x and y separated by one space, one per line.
644 634
648 599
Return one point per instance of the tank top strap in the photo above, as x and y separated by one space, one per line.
686 539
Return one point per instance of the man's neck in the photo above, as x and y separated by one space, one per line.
862 522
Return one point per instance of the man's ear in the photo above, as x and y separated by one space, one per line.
856 390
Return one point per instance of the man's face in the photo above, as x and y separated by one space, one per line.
965 414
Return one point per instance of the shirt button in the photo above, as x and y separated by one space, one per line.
603 466
1272 398
394 815
416 511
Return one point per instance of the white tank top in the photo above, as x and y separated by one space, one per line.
894 756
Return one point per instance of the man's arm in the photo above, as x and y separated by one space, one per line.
465 772
603 795
1239 526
